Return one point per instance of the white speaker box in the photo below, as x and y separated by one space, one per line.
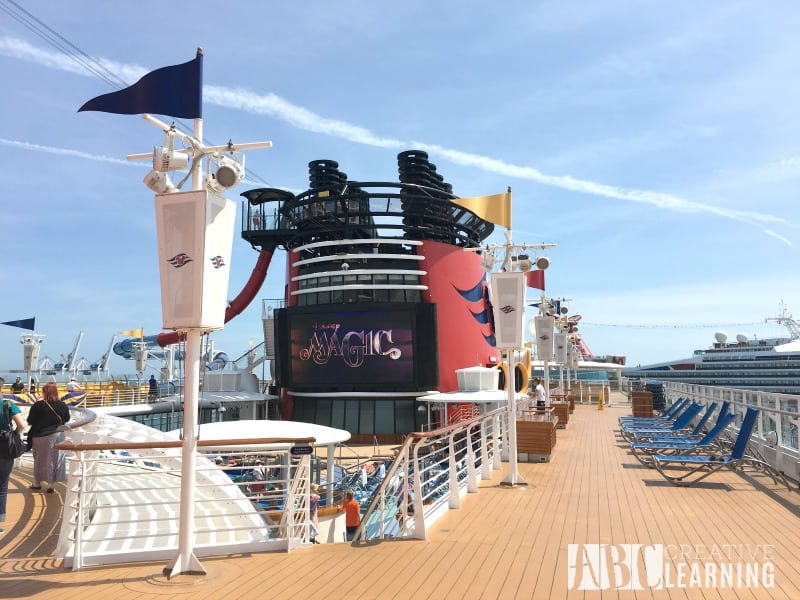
572 356
141 359
561 348
544 337
195 240
508 306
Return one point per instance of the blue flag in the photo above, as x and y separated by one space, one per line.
176 91
22 323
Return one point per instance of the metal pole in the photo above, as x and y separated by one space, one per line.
513 477
186 562
546 365
331 467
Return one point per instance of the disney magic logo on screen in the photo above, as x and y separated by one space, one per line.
330 341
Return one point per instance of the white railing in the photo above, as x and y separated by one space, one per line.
430 475
123 496
776 434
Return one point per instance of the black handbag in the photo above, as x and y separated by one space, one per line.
11 445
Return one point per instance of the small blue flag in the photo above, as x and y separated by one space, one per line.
176 91
22 323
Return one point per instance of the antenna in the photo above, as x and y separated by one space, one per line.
785 319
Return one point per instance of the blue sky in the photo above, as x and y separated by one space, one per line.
656 143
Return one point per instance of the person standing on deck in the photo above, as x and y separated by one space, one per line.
7 464
352 515
313 513
46 418
72 385
17 387
259 477
152 393
539 396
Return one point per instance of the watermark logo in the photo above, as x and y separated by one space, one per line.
669 566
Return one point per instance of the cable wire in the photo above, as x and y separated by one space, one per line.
76 54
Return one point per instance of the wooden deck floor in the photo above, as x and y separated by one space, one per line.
503 543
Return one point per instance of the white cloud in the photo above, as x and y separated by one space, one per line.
297 116
62 151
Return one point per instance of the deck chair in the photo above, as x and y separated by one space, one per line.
666 419
682 436
656 422
644 451
698 467
695 434
633 433
668 414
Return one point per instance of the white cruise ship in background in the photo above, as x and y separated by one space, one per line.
769 364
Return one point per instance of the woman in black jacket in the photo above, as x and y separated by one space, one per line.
46 417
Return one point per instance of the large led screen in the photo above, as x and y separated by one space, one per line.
361 347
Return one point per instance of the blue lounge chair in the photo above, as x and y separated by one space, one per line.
672 436
633 433
644 451
698 467
696 433
656 422
669 414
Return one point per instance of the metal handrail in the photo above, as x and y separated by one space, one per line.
126 494
436 467
781 455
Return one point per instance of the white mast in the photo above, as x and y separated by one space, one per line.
185 562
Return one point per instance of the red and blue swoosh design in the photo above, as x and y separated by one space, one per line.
179 260
480 293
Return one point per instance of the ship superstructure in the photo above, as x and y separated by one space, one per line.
382 303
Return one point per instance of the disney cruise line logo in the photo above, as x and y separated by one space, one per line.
179 260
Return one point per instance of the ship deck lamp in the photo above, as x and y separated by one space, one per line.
228 173
524 263
160 183
166 158
488 261
542 262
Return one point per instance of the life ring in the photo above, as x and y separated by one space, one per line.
502 381
522 376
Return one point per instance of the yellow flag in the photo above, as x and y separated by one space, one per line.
495 209
133 332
